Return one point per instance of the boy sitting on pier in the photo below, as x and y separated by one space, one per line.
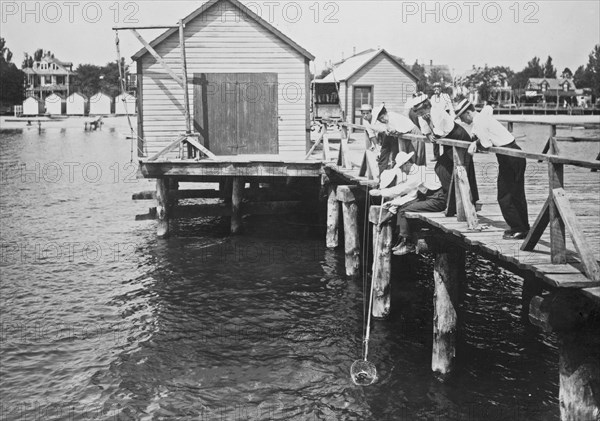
415 190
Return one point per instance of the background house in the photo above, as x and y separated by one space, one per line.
248 85
48 75
100 104
76 104
128 106
552 90
369 77
33 106
55 104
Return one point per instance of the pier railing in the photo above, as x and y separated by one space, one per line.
556 212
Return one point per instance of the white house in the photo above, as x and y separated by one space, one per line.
129 107
239 66
76 104
55 104
370 77
100 104
33 106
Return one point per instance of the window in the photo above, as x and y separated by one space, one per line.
60 80
566 86
544 87
47 80
44 66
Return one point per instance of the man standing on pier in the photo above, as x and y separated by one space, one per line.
366 111
440 102
488 132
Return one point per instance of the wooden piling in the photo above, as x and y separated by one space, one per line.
579 375
448 272
333 217
162 207
382 264
236 202
531 287
345 194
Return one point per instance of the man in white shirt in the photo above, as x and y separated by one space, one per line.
391 125
440 102
490 132
367 119
416 190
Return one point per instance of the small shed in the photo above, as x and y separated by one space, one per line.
76 104
100 104
249 85
33 106
128 106
56 104
369 77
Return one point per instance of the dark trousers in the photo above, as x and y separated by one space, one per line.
430 202
436 150
511 190
389 148
444 167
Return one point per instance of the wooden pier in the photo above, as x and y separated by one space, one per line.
558 261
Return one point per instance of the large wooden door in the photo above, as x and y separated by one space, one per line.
236 113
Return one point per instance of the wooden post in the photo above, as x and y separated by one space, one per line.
579 374
162 207
382 263
510 126
448 273
557 226
345 195
236 202
531 288
333 217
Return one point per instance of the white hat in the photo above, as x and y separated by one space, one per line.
418 100
386 178
462 107
378 110
402 158
366 107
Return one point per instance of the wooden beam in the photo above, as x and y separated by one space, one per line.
351 237
538 228
579 374
200 147
184 79
448 273
167 149
180 194
590 265
464 197
158 58
382 268
236 201
557 225
560 311
162 207
333 217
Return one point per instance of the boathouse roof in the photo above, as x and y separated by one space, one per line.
246 12
346 69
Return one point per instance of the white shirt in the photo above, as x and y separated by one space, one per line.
369 128
441 121
397 123
444 103
418 179
490 131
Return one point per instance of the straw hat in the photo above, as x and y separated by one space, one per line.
386 178
380 109
402 158
462 107
366 107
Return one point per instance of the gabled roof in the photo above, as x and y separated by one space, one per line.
348 68
553 83
55 94
80 94
246 12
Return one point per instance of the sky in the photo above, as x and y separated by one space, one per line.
459 34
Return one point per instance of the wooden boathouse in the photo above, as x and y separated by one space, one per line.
223 97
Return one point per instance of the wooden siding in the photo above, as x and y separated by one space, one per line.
390 84
217 43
